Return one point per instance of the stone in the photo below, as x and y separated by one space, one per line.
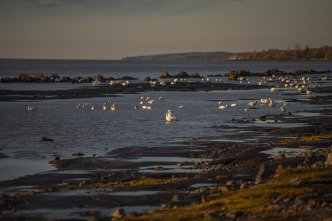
223 189
195 75
165 74
244 186
44 139
147 79
295 181
328 161
317 164
279 157
175 198
87 79
98 77
182 74
229 183
119 213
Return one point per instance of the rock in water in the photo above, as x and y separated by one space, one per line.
119 213
46 139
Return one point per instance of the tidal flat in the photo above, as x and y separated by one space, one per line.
238 163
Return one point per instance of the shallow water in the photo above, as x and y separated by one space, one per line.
97 131
289 152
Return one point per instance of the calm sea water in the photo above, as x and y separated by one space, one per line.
97 131
141 69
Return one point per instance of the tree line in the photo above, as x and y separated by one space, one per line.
298 53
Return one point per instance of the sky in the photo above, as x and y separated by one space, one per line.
114 29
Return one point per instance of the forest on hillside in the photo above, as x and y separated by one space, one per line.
298 53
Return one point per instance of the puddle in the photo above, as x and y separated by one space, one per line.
289 152
170 159
309 114
14 168
227 140
79 192
268 121
280 124
170 169
13 190
199 185
133 209
135 193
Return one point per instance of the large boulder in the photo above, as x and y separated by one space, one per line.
87 79
98 77
195 75
165 74
127 78
23 77
182 74
328 161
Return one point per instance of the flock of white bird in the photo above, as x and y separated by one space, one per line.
302 84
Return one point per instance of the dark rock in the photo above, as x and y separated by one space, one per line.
98 77
23 77
54 76
87 79
47 139
182 74
127 78
328 161
279 157
147 79
77 79
195 75
264 172
175 198
165 74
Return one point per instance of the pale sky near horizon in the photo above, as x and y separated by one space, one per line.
113 29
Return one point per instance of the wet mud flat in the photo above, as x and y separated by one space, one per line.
195 179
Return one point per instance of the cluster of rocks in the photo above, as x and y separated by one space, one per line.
181 74
40 78
233 75
308 202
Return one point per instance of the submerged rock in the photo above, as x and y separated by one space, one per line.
44 139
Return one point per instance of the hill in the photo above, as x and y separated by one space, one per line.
298 53
188 56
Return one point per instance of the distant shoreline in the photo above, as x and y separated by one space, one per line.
323 53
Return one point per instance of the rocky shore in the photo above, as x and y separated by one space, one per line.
264 173
224 180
